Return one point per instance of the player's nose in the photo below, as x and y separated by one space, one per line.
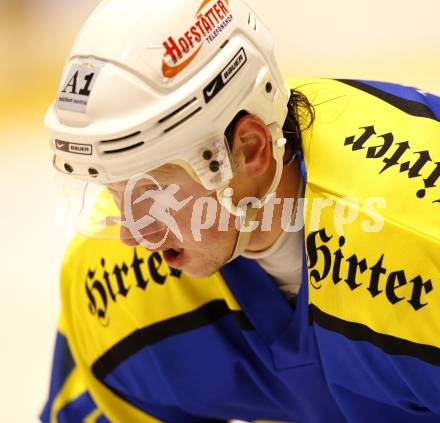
133 232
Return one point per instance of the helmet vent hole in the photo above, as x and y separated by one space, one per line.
169 116
182 120
224 44
68 168
252 21
122 138
124 149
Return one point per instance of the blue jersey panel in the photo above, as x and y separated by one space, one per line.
363 379
409 93
77 410
62 366
243 384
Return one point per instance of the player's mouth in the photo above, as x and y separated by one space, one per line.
174 257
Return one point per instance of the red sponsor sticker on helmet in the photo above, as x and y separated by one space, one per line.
209 24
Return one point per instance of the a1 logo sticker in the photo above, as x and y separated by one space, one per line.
76 88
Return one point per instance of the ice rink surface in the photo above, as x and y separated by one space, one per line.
397 41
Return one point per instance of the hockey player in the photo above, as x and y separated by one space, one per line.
203 286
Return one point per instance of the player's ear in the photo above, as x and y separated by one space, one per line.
251 148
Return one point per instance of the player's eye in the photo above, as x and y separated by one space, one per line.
154 187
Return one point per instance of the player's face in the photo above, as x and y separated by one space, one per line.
184 220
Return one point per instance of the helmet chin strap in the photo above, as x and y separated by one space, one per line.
248 213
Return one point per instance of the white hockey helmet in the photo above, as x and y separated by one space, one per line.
148 83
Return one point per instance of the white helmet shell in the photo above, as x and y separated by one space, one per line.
149 83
